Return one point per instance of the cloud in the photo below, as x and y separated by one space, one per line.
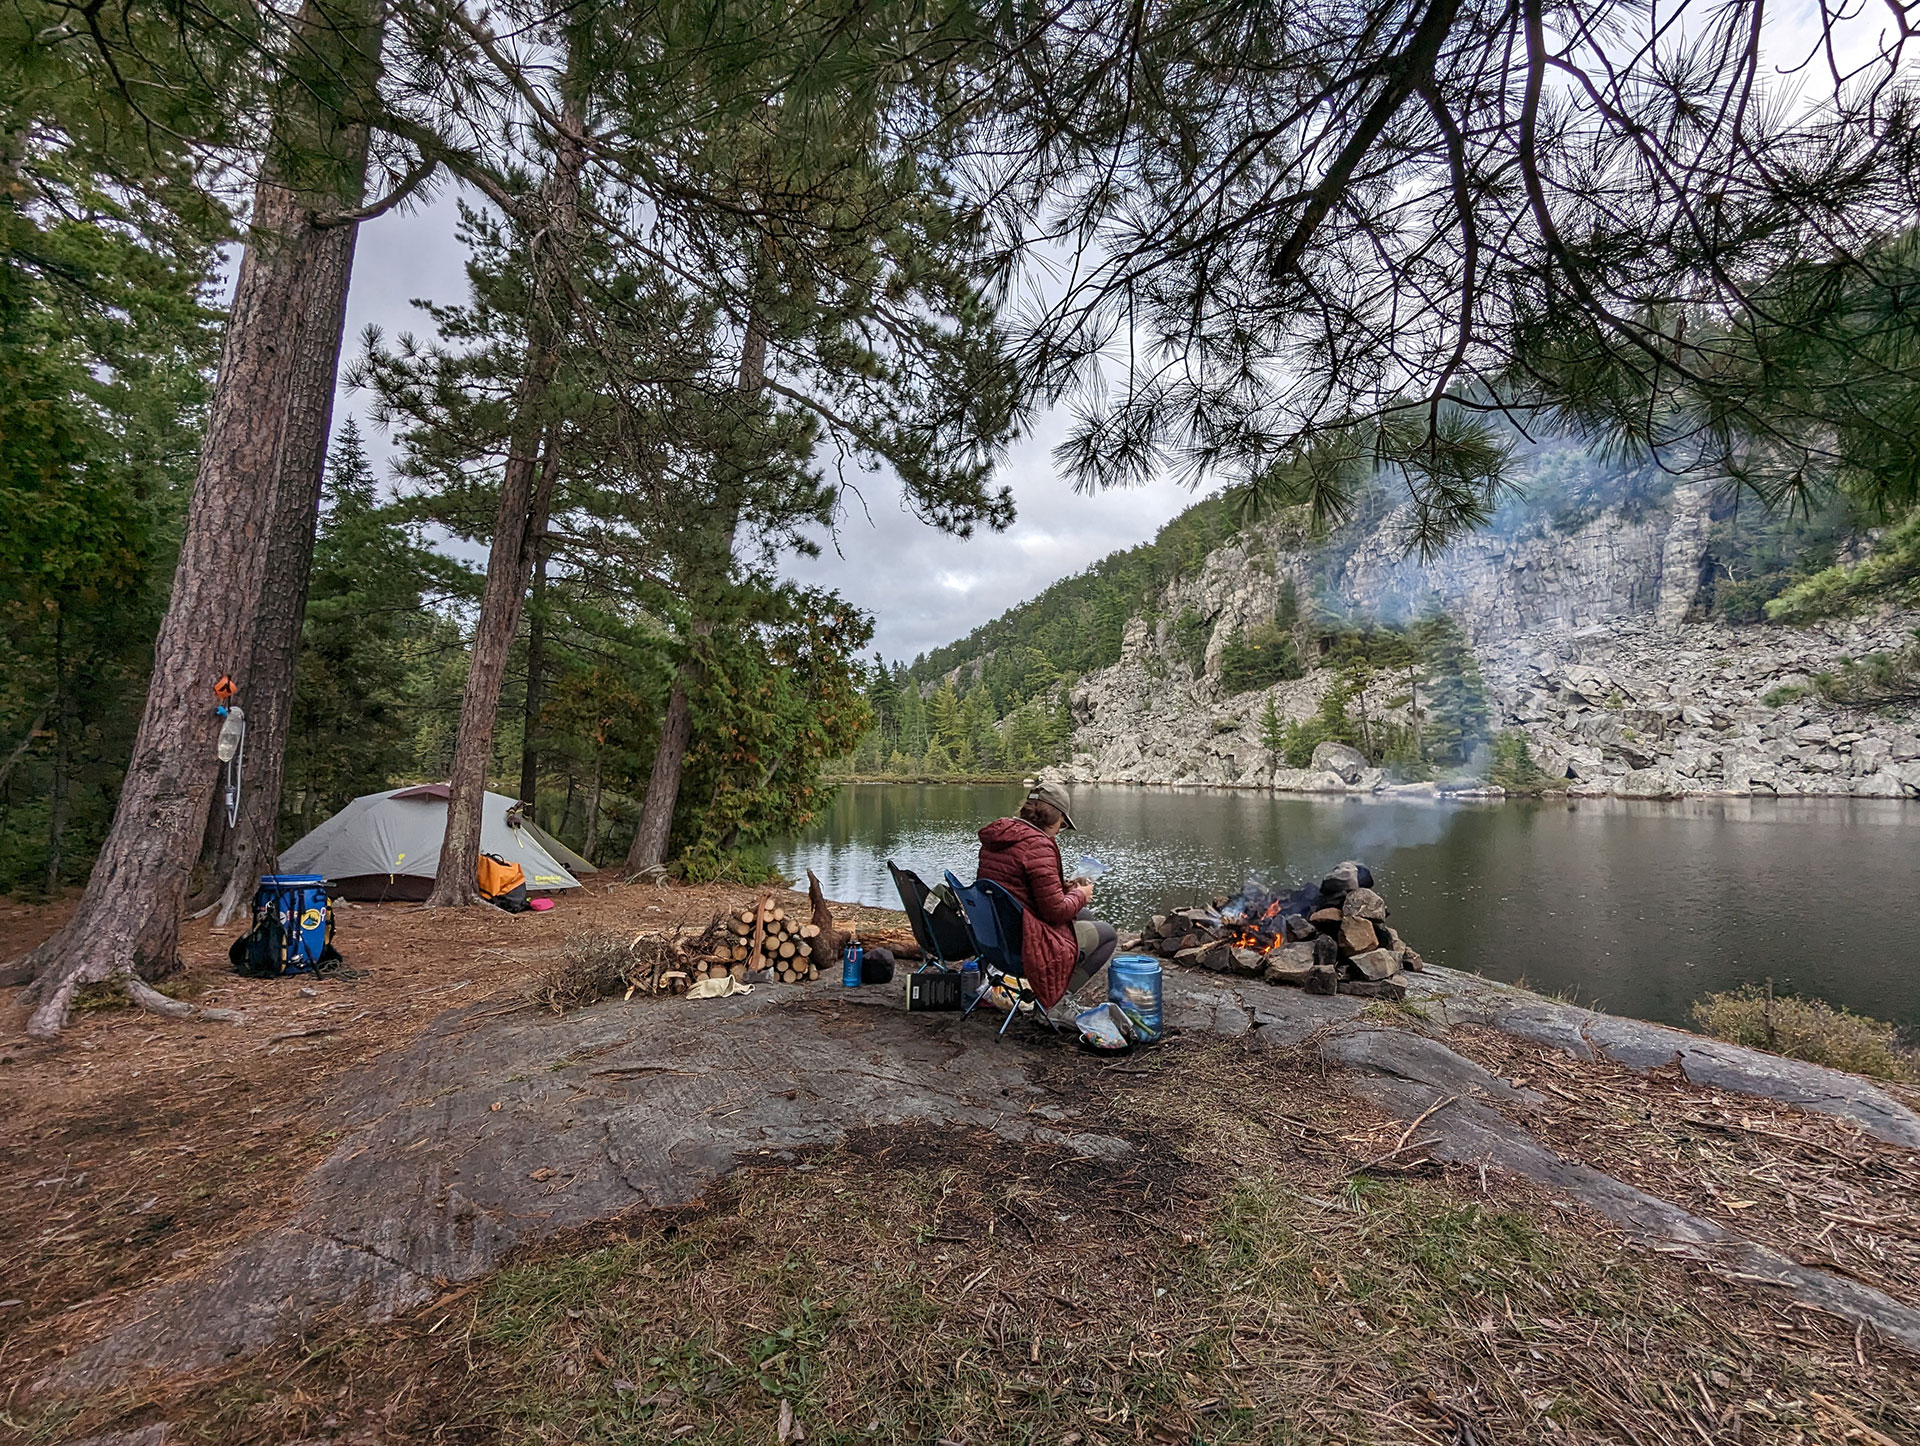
925 588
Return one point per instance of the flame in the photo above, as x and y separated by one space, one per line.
1263 931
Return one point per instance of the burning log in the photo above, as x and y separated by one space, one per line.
1328 937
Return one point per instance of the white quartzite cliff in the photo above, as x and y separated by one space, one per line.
1583 637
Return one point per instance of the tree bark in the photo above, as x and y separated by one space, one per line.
505 590
650 839
536 641
250 845
127 925
129 916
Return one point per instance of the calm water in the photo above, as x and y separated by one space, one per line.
1637 907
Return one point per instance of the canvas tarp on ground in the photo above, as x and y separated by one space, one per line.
387 846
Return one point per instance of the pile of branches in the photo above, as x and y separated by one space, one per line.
598 964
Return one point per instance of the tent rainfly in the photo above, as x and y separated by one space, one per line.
387 846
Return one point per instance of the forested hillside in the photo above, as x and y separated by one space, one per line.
994 702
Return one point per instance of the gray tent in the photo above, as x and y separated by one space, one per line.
387 846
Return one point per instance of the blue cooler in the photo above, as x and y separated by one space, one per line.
1133 983
299 904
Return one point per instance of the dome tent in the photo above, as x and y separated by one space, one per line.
387 846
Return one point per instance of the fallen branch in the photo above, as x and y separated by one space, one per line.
1424 1115
1398 1150
304 1033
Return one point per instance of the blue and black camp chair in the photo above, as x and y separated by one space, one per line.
938 927
996 919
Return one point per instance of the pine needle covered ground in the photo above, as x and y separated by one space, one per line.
1233 1277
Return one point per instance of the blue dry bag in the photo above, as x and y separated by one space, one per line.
292 929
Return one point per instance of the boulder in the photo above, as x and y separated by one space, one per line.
1375 964
1391 990
1410 959
1189 957
1217 957
1336 758
1290 964
1321 981
1296 927
1647 783
1328 918
1356 936
1351 874
1326 952
1247 961
1363 904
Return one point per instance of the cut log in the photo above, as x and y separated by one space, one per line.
824 947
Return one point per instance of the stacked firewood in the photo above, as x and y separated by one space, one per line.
765 943
764 940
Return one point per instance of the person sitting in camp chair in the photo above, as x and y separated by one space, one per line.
1061 945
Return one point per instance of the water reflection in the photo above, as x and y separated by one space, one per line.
1640 907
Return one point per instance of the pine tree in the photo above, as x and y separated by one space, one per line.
367 619
1273 732
1458 715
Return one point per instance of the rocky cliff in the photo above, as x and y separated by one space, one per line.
1588 632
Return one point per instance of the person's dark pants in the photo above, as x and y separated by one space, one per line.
1097 940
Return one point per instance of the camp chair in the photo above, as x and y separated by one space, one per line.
938 928
995 918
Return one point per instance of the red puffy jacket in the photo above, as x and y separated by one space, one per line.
1026 863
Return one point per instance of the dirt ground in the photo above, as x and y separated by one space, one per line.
1263 1263
137 1146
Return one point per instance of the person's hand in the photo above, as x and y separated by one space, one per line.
1086 886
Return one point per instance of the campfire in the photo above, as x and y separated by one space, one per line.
1330 937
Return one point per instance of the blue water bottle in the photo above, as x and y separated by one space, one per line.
852 961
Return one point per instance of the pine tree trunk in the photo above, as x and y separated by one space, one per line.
650 839
128 923
649 848
251 845
536 645
505 590
129 917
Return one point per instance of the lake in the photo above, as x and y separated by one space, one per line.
1638 908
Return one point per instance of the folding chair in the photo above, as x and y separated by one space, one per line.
995 918
938 928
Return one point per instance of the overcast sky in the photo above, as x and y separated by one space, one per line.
922 588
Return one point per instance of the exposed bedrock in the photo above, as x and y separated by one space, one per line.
489 1134
1583 637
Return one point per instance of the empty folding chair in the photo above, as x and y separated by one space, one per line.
996 919
938 927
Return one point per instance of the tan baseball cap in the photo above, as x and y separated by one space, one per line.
1054 796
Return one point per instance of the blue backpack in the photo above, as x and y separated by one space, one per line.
292 929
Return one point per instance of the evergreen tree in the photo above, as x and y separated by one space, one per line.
1273 732
1458 715
368 627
